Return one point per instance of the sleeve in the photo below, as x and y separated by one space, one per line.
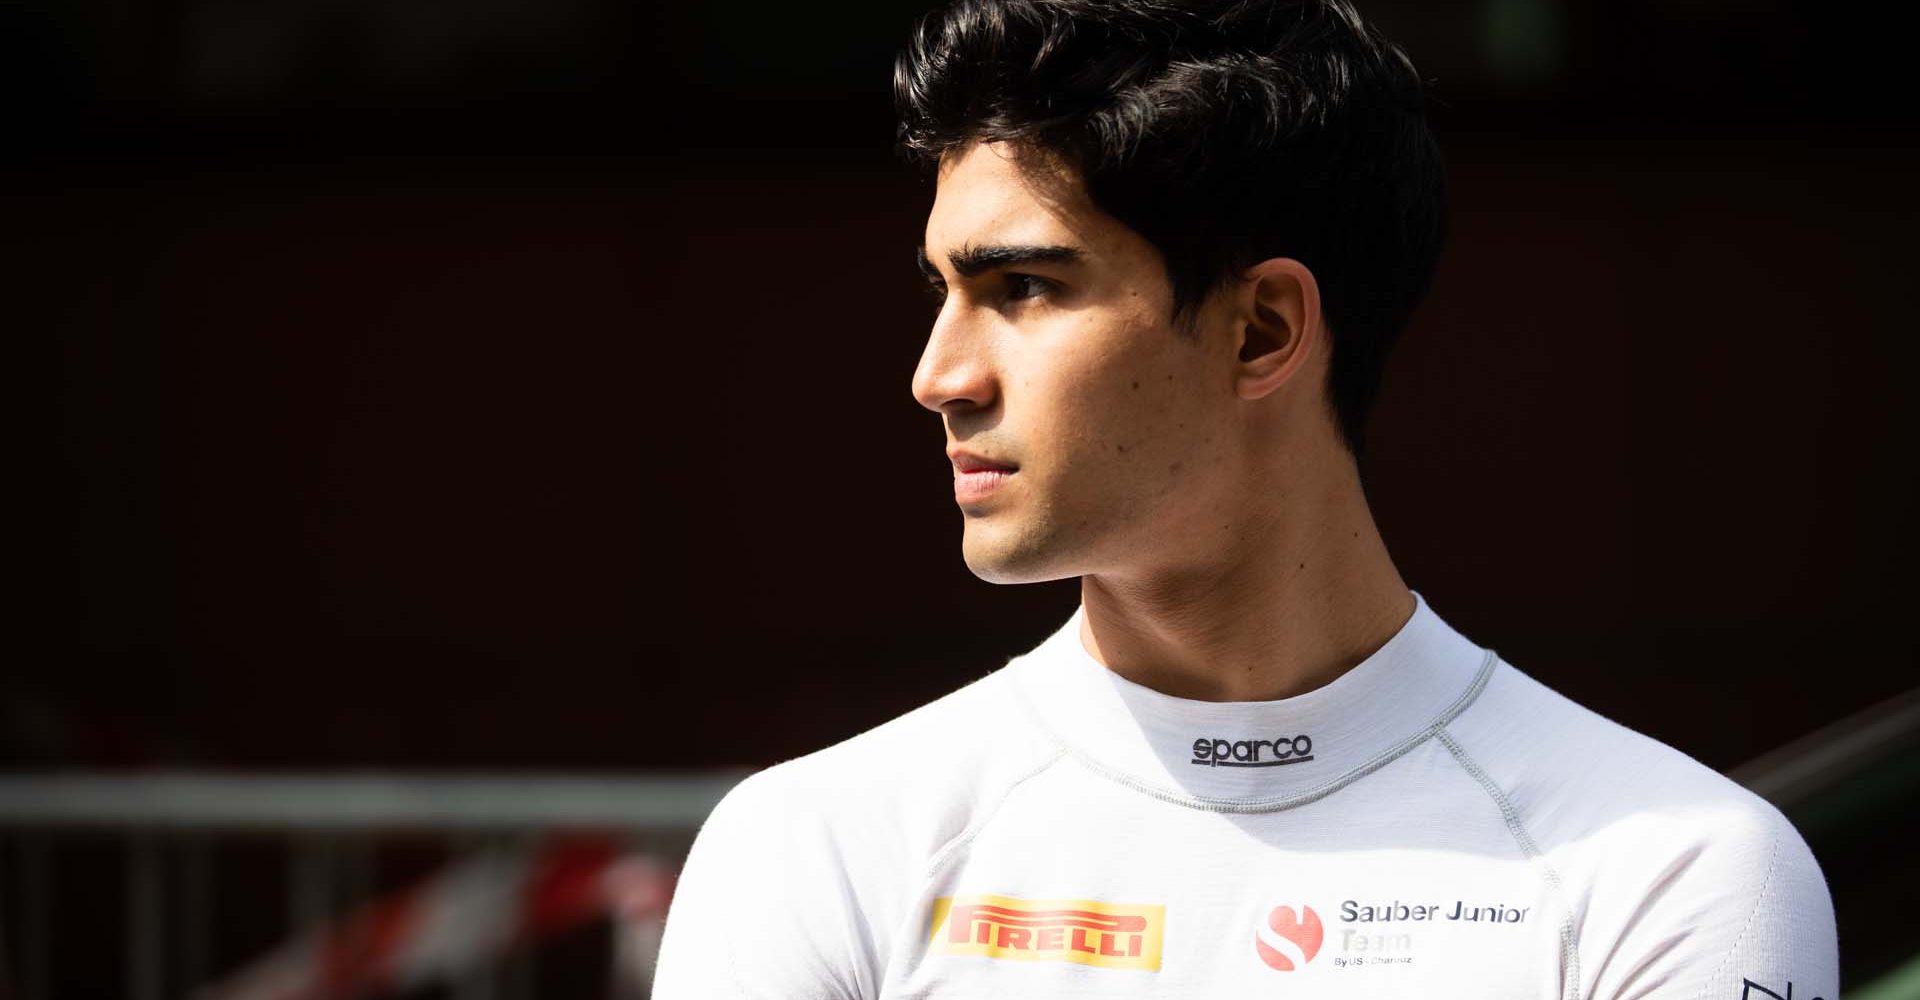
1742 914
763 908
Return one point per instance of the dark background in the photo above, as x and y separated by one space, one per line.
518 384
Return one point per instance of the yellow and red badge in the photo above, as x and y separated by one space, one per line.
1107 935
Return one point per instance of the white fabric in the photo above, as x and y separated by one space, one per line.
1459 831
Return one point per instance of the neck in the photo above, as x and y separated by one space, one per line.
1282 605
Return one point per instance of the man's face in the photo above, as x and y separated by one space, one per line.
1088 434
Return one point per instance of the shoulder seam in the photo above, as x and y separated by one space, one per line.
952 847
1569 955
1766 882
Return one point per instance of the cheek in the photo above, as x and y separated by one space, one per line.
1141 417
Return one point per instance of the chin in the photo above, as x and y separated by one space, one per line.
999 555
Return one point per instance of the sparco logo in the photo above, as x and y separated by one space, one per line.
1253 753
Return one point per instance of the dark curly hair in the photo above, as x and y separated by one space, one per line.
1225 133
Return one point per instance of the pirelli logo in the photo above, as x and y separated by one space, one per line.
1108 935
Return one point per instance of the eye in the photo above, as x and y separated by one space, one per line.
1026 286
937 291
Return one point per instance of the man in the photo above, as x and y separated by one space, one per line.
1173 244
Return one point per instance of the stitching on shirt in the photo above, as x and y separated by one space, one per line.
1569 955
1766 882
952 848
946 853
1316 793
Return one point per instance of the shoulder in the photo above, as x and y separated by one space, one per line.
1571 774
1659 854
912 782
873 812
841 840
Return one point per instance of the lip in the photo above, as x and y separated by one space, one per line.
967 462
976 478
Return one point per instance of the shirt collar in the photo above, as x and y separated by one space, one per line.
1260 754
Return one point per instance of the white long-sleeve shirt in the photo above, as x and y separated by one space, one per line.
1433 823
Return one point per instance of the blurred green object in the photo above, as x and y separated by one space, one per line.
1902 983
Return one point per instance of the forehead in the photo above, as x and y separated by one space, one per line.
998 193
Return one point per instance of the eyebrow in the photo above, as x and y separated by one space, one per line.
972 259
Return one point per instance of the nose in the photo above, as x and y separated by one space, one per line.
955 373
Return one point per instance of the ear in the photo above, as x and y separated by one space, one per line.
1279 325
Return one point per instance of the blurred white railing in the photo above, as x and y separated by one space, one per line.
360 802
171 824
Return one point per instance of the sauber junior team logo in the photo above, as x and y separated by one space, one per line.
1289 940
1109 935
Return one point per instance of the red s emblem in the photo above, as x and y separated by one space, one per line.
1289 939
